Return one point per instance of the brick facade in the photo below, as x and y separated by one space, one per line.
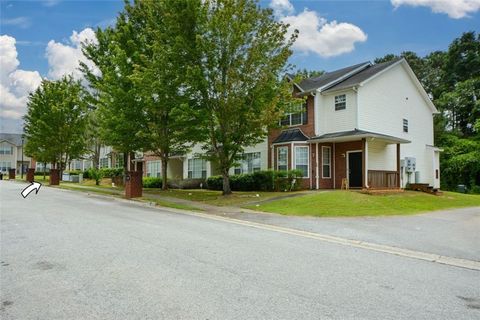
340 157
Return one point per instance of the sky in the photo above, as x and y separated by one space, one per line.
42 39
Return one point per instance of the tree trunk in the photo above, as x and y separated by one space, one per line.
164 173
226 183
44 171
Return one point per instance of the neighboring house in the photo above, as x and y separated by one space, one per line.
370 125
11 150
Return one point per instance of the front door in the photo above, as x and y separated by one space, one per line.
355 169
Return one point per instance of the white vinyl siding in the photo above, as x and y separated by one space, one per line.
326 162
197 169
282 158
154 168
301 160
328 120
384 106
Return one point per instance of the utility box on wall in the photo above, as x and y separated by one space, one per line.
410 164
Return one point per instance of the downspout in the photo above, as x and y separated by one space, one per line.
357 115
334 169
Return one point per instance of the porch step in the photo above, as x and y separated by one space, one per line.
424 187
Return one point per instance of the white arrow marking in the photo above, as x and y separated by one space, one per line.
34 186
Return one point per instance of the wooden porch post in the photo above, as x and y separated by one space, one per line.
398 165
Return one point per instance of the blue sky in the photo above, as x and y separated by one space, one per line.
335 34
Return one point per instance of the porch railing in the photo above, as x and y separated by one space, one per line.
380 179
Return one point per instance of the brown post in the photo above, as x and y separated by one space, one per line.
30 174
54 177
398 165
133 184
11 173
364 164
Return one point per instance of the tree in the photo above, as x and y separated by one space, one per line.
55 122
120 109
241 51
304 73
168 32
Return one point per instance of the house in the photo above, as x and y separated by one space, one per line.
367 125
11 153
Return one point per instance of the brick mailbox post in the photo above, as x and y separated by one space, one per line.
133 184
30 174
11 174
54 177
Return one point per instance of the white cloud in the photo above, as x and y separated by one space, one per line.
15 84
281 7
317 35
22 22
50 3
63 59
455 9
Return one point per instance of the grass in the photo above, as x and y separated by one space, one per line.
351 203
215 198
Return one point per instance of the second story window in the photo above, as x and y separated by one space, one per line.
6 149
295 118
405 125
340 102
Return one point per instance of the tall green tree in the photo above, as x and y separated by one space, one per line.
55 122
120 113
168 36
241 53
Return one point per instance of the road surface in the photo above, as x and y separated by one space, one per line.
66 255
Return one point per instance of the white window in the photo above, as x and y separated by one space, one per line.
282 158
197 169
153 169
301 160
103 162
295 118
405 125
5 165
340 102
6 149
249 163
326 162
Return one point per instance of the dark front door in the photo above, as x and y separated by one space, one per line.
355 169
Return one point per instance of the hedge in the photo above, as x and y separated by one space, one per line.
259 181
106 172
152 182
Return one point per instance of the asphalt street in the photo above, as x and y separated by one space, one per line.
66 255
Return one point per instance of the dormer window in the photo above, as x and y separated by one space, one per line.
298 117
340 102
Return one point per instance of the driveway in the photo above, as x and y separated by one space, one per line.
65 255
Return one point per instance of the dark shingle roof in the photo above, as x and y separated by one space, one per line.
326 78
360 134
15 138
291 135
362 75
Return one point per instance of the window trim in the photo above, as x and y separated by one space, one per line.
303 117
188 168
308 160
244 161
337 103
278 155
329 162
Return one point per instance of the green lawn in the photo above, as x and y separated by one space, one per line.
351 203
215 198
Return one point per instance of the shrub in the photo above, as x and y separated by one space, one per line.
215 183
41 173
259 181
74 172
152 182
112 172
287 180
96 175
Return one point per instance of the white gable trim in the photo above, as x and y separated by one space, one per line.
414 78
